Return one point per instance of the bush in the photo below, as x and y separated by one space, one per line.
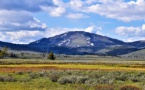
130 87
43 74
82 79
54 78
73 79
20 73
91 82
34 75
67 79
7 79
63 80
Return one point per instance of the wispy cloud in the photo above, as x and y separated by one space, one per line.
76 16
14 21
16 17
131 33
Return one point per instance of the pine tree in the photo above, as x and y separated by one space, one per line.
51 56
3 52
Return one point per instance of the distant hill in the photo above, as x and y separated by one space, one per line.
17 46
77 39
139 44
140 54
79 42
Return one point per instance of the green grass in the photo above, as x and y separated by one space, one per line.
109 74
94 79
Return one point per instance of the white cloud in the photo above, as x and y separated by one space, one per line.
54 11
116 9
76 16
131 33
13 21
20 27
76 4
58 11
90 1
58 2
22 36
143 27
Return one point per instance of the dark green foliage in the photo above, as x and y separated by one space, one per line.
67 79
72 79
7 79
34 75
20 73
130 87
51 56
82 79
12 55
54 78
3 52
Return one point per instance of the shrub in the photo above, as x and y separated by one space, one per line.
73 79
91 82
20 73
42 74
34 75
104 87
82 79
67 79
130 87
7 79
54 78
63 80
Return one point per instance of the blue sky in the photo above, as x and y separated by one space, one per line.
24 21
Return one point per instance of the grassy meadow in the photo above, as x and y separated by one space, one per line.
72 73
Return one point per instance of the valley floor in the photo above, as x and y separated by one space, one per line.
31 74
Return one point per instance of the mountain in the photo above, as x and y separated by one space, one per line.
139 44
17 46
78 39
79 42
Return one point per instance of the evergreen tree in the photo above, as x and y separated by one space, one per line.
3 52
12 55
51 56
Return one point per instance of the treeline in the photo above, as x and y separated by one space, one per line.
4 53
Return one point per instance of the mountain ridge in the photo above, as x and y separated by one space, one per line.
80 42
77 37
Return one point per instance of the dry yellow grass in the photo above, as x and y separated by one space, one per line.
36 67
